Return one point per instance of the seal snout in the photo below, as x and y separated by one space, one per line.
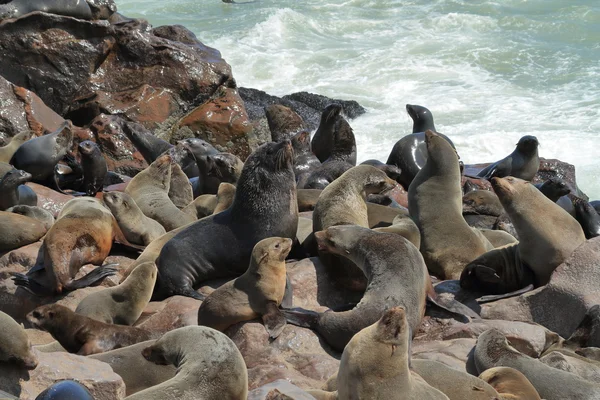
322 241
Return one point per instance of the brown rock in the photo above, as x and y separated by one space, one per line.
454 353
48 199
279 390
172 313
222 121
96 376
283 122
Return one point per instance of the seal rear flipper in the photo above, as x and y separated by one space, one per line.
454 307
31 285
93 277
494 297
188 292
273 320
301 317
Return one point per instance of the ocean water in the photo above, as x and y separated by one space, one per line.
490 71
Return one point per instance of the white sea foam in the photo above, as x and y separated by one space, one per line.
490 72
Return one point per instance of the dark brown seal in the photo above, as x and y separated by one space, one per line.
13 192
94 167
523 163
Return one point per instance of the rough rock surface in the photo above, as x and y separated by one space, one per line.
96 376
281 386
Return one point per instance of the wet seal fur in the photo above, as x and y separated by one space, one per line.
522 163
13 192
71 8
83 335
94 167
448 243
122 304
258 292
209 366
265 205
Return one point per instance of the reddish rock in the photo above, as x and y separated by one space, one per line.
48 199
172 313
222 121
283 122
83 68
96 376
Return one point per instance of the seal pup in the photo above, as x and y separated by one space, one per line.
18 231
544 242
305 162
150 191
82 335
396 276
66 389
137 372
14 192
322 141
587 217
70 8
265 205
510 383
553 188
136 227
209 366
523 163
82 234
34 212
122 304
448 243
258 292
94 167
376 364
15 346
208 204
493 350
7 151
410 152
39 155
343 202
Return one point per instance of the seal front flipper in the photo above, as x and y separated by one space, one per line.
273 320
288 294
454 307
29 284
494 297
301 317
91 278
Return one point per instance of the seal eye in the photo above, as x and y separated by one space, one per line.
50 314
36 314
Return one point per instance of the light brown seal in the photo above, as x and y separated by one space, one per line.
510 383
150 191
376 364
83 335
82 234
18 230
136 227
180 188
122 304
258 292
15 346
7 151
209 366
448 243
208 204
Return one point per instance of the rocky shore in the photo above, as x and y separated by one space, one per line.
107 76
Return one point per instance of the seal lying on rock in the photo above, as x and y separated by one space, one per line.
209 366
523 163
83 335
258 292
510 383
18 231
264 206
71 8
15 346
448 243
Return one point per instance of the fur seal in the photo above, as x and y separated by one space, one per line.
258 292
39 155
479 202
150 191
122 304
376 363
283 122
410 153
82 234
34 212
494 350
18 231
83 335
396 276
322 141
208 204
587 217
214 169
94 167
180 188
510 383
15 346
523 163
13 192
448 243
264 206
150 146
570 361
7 151
137 228
137 372
65 390
70 8
305 162
343 202
544 242
553 188
209 366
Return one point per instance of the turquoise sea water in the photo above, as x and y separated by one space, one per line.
490 71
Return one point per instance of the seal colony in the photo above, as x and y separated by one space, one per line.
195 275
